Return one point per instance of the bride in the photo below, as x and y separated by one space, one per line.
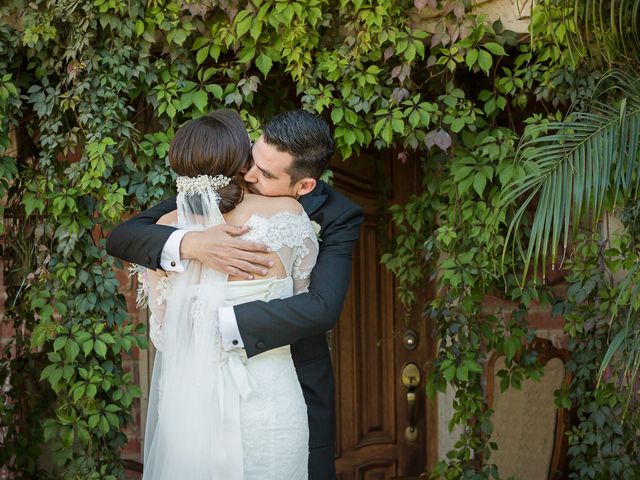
217 415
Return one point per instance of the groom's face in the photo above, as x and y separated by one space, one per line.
268 172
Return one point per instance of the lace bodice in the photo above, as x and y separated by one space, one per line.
289 235
292 237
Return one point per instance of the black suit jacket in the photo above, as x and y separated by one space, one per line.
300 321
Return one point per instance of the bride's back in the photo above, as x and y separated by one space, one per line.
253 205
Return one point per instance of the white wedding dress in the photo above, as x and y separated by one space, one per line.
214 414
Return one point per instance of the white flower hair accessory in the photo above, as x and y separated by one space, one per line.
201 183
316 228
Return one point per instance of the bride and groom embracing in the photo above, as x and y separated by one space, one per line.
242 290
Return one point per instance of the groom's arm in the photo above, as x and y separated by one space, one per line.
267 325
139 240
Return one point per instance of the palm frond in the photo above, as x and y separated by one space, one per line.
608 29
575 166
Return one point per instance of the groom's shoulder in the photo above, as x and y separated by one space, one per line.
334 196
337 201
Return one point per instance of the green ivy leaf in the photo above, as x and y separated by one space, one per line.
464 185
350 137
264 63
379 126
214 52
200 42
462 172
350 116
202 55
87 346
179 36
72 349
67 435
100 348
462 373
387 132
256 29
59 342
171 110
243 22
79 392
246 54
200 100
449 373
93 420
414 118
458 124
471 57
215 89
91 390
186 101
398 125
103 425
511 346
139 27
494 48
485 60
336 115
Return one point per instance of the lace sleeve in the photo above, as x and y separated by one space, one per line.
152 293
293 238
305 259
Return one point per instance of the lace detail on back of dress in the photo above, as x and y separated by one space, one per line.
292 237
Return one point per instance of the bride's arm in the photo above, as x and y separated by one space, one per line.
157 284
305 259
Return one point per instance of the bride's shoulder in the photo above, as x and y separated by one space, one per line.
275 221
168 218
269 206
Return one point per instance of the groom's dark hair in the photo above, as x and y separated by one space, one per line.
305 137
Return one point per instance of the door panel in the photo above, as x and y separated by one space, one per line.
368 347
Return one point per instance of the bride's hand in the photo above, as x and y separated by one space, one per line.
217 248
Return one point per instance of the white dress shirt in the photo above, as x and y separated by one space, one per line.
170 262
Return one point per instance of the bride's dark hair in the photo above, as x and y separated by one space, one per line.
214 144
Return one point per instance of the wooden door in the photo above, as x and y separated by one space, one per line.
369 344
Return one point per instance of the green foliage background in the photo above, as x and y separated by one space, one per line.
91 92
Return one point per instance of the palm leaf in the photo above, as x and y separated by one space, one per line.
575 166
606 29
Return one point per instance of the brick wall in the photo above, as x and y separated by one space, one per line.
132 363
548 326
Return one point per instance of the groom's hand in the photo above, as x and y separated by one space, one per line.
218 248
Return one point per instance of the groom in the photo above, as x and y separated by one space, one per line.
287 160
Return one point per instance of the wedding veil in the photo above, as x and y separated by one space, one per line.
193 421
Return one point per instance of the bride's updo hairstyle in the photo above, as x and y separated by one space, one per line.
214 144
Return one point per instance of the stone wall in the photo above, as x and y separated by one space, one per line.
514 14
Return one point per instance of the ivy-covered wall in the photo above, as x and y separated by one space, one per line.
91 92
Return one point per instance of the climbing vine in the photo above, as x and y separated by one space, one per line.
91 92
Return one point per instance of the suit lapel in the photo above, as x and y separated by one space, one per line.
311 202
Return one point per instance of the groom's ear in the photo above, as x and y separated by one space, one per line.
305 185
